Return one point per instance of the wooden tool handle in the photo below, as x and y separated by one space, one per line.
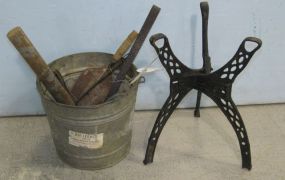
28 51
125 45
38 65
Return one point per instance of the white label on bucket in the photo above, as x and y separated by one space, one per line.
90 141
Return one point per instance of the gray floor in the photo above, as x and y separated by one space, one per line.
189 148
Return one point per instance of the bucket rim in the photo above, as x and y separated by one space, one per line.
112 99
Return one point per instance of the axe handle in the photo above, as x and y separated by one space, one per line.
38 65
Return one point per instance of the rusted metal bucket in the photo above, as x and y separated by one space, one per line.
90 137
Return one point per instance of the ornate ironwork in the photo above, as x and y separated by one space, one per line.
216 85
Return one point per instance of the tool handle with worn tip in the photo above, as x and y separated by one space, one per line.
38 65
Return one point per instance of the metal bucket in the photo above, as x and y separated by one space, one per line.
90 137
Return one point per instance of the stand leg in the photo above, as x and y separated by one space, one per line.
169 106
230 110
197 108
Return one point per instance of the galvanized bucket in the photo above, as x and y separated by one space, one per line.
90 137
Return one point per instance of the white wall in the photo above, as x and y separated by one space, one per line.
59 28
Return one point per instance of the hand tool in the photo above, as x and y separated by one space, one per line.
38 65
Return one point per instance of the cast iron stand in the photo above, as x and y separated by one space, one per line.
216 85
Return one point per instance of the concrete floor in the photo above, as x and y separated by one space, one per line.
189 148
